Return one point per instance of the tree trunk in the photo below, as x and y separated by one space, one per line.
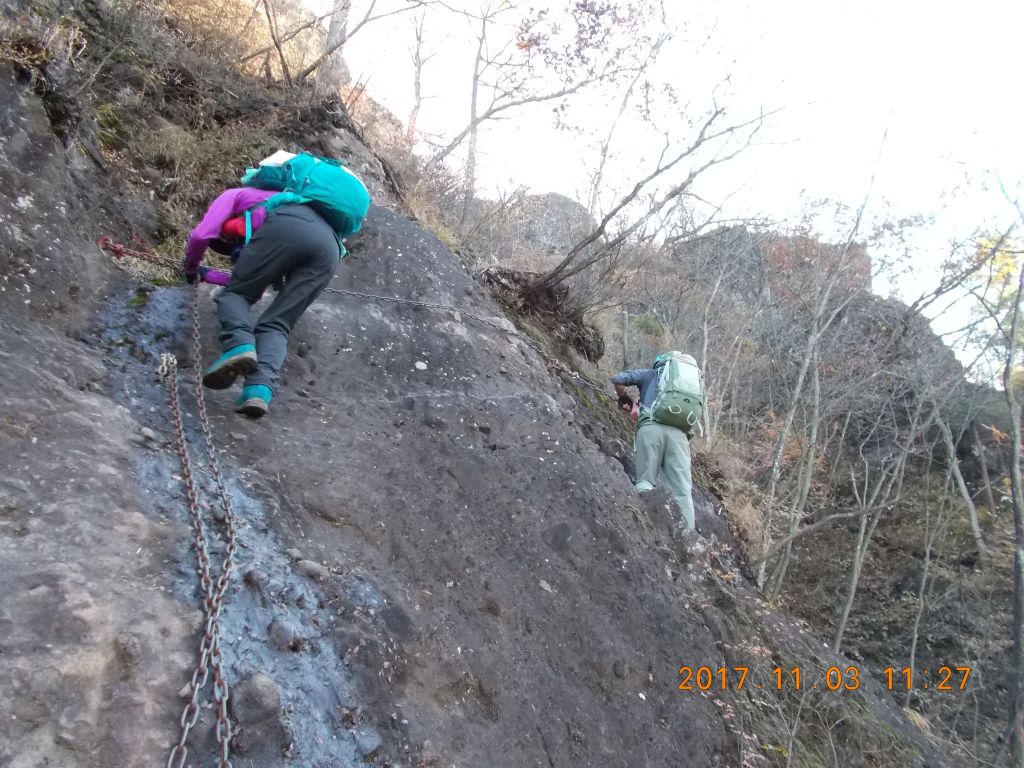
252 19
972 511
719 385
1016 724
780 444
930 534
888 486
469 190
851 590
705 340
470 185
837 458
804 482
990 501
625 337
333 73
268 7
417 81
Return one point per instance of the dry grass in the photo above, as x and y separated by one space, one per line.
431 216
744 510
231 29
721 466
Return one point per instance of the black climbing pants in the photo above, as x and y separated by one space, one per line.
294 243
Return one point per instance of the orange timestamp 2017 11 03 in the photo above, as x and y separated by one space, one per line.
833 678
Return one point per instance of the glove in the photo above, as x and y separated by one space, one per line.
625 402
199 273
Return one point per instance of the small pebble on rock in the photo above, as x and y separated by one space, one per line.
312 570
284 635
258 698
368 742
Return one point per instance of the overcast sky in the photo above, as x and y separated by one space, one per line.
941 82
944 80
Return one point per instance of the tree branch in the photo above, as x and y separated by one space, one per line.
288 36
328 52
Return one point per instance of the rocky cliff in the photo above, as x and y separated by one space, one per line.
440 563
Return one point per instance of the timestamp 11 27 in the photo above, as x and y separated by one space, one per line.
948 678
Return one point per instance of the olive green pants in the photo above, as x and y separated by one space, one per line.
665 451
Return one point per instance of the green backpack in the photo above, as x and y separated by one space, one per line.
680 399
324 184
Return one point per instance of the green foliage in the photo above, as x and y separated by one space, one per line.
647 323
139 298
114 129
995 285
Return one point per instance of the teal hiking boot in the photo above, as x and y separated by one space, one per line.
255 401
237 361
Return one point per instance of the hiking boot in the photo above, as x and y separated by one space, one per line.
237 361
643 487
255 401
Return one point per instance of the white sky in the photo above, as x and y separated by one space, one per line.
943 81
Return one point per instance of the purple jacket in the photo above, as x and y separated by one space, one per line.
230 202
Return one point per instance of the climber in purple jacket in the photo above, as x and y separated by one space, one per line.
223 230
292 245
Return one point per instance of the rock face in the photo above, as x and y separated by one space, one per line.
553 222
494 593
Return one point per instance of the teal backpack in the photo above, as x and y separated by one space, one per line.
323 184
680 399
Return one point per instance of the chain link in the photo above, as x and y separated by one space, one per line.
213 590
221 691
120 251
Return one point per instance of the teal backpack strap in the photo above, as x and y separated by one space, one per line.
269 205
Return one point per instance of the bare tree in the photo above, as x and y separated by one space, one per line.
597 180
271 11
481 62
1016 725
333 73
932 530
979 446
954 467
874 496
824 309
330 59
999 300
280 39
419 60
805 478
535 60
595 247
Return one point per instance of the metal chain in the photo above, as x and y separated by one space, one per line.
210 657
119 251
221 691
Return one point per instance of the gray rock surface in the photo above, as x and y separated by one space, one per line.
312 570
256 699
